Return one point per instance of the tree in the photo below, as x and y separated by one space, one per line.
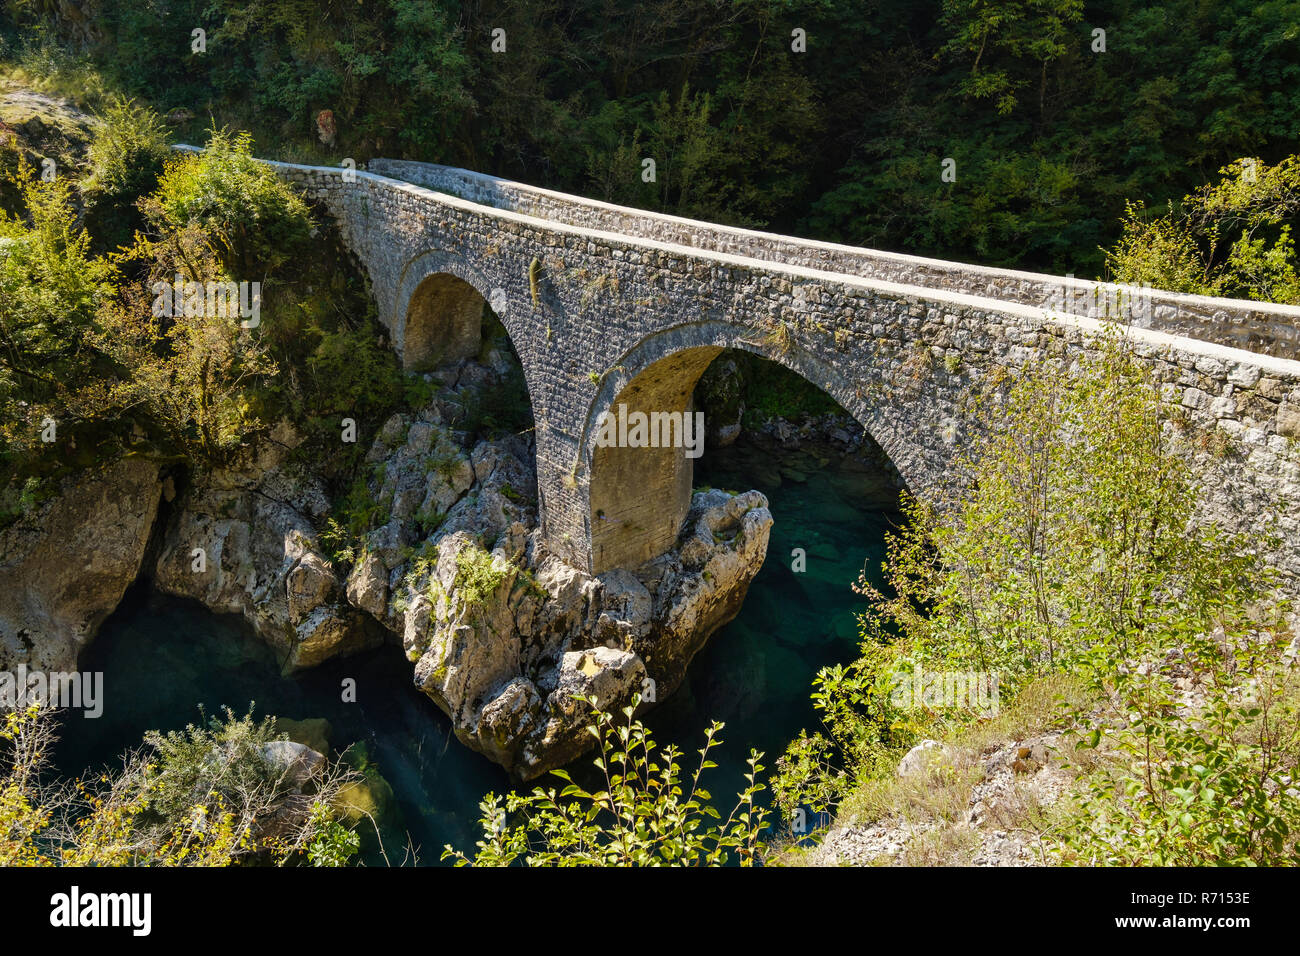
254 220
1231 237
127 154
999 34
1071 549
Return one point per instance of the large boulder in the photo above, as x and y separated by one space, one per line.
236 549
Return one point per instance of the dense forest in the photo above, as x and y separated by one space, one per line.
824 118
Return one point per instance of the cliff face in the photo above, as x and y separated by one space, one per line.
65 566
243 541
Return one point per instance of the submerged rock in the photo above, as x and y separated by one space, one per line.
314 732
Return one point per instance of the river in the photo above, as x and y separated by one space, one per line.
167 657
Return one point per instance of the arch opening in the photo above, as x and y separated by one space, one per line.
833 494
443 323
640 491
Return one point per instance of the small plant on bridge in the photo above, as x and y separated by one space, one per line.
534 277
777 337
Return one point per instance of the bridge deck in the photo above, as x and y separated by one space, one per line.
1262 328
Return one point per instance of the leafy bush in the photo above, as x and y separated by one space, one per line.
647 812
56 365
478 576
256 220
205 796
1210 783
127 154
1232 237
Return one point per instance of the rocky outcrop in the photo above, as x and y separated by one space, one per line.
1000 787
66 565
505 638
243 541
509 640
518 670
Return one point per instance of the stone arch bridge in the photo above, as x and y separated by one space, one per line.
607 305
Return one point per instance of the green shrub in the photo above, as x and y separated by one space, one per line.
478 576
646 812
256 220
127 154
1212 786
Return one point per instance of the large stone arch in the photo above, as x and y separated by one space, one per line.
640 496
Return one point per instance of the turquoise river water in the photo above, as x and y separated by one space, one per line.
167 657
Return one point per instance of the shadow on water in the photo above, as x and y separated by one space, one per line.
162 658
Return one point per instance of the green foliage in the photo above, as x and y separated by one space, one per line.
332 844
126 157
773 391
1212 787
198 797
1158 252
59 363
1004 38
479 576
1073 533
1072 550
357 512
256 221
645 812
1249 213
51 289
1050 137
186 761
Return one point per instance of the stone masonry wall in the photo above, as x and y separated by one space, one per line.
902 359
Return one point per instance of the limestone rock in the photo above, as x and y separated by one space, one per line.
260 559
314 732
925 758
66 566
296 764
367 586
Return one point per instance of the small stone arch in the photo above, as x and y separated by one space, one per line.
438 311
442 324
639 497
